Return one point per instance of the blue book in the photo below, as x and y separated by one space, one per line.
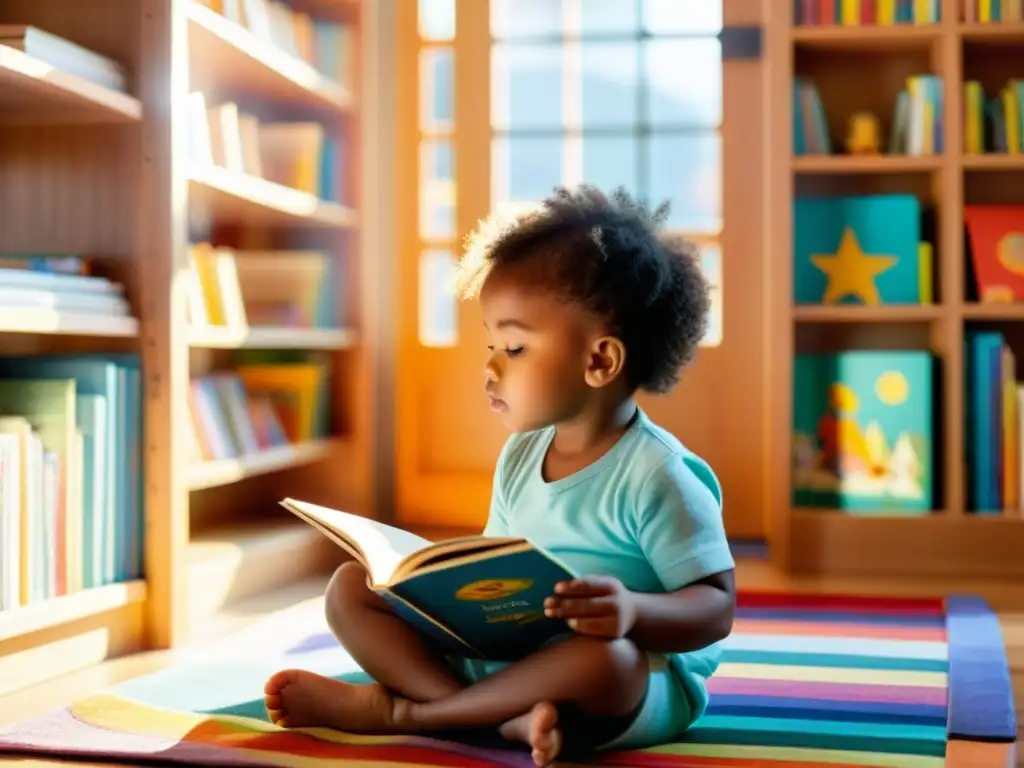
858 250
475 596
983 410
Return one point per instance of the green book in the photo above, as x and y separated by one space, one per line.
476 596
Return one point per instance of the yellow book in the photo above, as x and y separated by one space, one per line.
1011 437
293 389
205 261
924 272
886 13
985 10
922 11
973 122
1011 110
850 13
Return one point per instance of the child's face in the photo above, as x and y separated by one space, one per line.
538 342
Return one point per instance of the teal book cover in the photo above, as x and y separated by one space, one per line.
983 413
492 605
863 431
858 250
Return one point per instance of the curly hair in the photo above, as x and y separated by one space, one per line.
606 253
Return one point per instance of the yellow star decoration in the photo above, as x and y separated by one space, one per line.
851 272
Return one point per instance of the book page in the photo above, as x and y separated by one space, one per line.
383 546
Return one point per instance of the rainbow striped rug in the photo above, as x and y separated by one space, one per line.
805 680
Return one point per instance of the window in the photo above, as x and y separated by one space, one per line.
611 92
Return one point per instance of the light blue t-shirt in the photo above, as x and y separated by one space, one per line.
648 512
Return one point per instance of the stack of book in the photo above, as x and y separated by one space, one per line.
994 407
236 290
298 155
258 406
70 475
59 284
994 125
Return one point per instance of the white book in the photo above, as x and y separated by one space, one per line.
50 281
65 55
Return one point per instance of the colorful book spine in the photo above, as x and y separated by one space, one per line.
858 13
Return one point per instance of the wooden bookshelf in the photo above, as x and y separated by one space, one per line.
87 170
861 68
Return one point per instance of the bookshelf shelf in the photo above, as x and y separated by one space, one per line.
34 92
226 53
68 608
271 338
846 164
993 162
211 474
899 38
993 312
1003 32
233 198
861 314
48 322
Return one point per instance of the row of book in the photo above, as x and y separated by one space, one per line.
300 155
916 127
259 405
327 46
59 284
864 434
65 55
996 124
853 13
994 410
71 476
992 11
238 289
878 249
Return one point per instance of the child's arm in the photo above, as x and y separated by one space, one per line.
677 521
686 620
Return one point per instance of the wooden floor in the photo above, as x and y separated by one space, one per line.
1006 598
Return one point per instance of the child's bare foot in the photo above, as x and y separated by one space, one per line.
297 698
538 728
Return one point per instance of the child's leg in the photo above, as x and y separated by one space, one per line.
386 648
597 678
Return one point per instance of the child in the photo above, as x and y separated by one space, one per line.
584 304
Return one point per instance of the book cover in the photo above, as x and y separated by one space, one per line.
862 431
983 411
857 250
996 243
493 604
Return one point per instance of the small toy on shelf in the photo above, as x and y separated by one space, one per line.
864 135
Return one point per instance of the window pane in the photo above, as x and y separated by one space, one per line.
437 19
662 17
437 190
526 86
436 89
686 170
438 318
610 162
524 18
677 100
610 83
711 263
525 168
611 16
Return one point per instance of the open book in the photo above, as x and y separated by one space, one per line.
477 596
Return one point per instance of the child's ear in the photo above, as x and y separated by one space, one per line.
605 361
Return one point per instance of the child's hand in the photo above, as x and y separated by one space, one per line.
595 605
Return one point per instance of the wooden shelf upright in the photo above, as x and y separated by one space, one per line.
92 171
861 68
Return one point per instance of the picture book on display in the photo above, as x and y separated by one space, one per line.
476 596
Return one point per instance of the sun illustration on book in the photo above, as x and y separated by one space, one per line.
1010 252
892 388
492 589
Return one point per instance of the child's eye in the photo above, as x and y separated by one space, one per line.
513 352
